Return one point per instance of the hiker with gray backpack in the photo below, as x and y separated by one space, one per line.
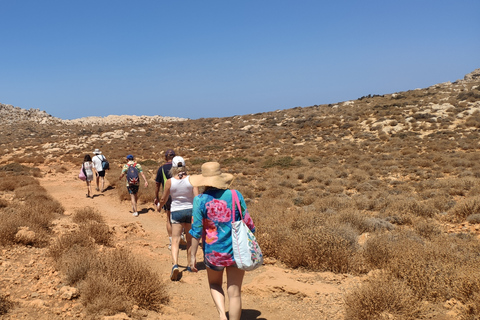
132 171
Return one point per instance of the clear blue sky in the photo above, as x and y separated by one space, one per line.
195 59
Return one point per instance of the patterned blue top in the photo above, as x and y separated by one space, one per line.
212 220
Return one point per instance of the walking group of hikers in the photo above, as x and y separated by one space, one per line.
210 215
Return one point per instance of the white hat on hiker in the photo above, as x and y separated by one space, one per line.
178 161
96 151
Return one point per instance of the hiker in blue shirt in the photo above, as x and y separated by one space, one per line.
132 170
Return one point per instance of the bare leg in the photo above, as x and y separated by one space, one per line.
169 224
103 183
215 281
234 291
133 197
97 180
89 188
176 232
187 227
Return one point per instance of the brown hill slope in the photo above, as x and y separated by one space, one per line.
378 183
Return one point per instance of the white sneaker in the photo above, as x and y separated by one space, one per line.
135 214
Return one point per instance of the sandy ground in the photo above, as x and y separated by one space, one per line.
270 292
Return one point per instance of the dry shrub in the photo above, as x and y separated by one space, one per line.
435 270
36 218
98 231
363 223
428 229
130 278
110 281
87 214
5 304
9 227
3 203
382 297
380 250
75 262
305 238
17 169
102 297
41 212
464 209
474 218
12 183
64 243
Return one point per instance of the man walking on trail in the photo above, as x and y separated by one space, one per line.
97 163
163 174
132 170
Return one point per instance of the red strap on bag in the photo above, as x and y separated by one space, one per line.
235 201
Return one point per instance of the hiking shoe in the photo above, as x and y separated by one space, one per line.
170 246
135 214
174 274
98 189
188 269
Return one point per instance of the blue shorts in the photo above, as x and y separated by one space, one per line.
133 189
181 216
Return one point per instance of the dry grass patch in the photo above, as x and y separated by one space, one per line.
5 304
382 297
110 281
33 212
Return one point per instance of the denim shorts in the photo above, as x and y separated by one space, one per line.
181 216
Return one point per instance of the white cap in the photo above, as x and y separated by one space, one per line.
178 161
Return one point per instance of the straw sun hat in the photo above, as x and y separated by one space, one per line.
212 176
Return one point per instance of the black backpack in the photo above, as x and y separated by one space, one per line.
132 174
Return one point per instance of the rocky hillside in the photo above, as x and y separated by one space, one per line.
10 114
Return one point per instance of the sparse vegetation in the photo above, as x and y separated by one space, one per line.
401 171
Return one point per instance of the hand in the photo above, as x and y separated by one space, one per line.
146 183
194 265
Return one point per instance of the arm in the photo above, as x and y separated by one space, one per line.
166 193
123 173
196 231
146 182
193 254
157 189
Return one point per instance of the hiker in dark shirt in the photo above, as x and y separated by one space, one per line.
163 174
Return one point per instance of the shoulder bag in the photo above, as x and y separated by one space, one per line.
82 175
246 251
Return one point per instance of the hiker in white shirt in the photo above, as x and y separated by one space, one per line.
97 162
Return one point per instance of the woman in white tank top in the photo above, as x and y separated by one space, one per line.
182 193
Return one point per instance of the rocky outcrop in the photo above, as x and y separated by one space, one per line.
10 114
473 76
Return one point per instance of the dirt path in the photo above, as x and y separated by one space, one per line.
271 292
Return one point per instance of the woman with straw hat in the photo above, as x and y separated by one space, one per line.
212 220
